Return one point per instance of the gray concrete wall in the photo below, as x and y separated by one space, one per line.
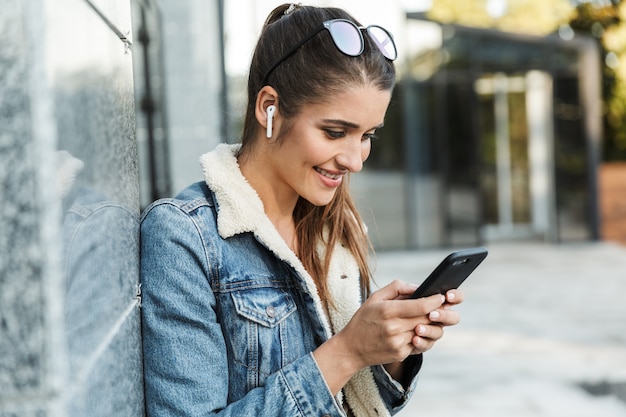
69 316
193 85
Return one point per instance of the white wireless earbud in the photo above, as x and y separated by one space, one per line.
270 116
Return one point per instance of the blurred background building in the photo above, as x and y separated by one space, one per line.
507 124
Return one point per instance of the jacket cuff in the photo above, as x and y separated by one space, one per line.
396 394
309 390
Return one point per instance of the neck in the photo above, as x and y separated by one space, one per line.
279 200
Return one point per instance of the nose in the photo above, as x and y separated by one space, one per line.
353 153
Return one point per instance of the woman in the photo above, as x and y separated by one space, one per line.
254 279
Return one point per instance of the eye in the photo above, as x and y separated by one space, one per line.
335 134
370 136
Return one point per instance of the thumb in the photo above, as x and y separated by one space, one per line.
394 291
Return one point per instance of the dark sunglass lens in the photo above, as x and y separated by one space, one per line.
383 39
347 37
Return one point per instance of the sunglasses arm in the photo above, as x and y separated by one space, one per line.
289 53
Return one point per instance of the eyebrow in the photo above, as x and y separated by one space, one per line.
348 124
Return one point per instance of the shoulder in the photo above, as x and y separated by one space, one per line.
191 198
192 211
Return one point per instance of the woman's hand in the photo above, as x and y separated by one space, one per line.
386 330
427 334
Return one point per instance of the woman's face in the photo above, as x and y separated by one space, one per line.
327 141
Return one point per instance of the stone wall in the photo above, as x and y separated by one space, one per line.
69 311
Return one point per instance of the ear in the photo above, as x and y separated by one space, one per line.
266 97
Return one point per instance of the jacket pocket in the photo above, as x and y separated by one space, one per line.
263 335
265 306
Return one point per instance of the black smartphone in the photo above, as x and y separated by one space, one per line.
451 272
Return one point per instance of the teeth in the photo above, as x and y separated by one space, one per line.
328 174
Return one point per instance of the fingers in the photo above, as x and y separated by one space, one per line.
427 334
454 297
416 324
431 332
425 337
395 290
444 317
421 345
413 308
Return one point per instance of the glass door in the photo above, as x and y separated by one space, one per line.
516 137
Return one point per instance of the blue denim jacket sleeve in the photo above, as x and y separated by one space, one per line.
185 357
393 393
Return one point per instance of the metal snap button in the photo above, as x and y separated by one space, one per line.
270 311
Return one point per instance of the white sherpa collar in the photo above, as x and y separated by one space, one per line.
240 210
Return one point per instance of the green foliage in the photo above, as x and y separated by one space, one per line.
537 17
607 22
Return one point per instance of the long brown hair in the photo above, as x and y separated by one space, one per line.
313 73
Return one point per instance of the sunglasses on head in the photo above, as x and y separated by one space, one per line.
348 38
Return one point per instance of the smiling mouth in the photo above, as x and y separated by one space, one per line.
328 174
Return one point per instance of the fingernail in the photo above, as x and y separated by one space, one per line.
443 299
451 296
433 315
421 330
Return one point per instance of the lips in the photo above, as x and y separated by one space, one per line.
328 174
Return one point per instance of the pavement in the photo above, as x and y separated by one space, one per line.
542 333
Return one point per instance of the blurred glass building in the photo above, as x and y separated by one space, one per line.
495 136
491 135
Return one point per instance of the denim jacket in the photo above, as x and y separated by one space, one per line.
230 317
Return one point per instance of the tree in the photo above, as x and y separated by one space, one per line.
536 17
607 22
603 19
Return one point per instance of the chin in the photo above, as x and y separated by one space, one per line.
320 201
